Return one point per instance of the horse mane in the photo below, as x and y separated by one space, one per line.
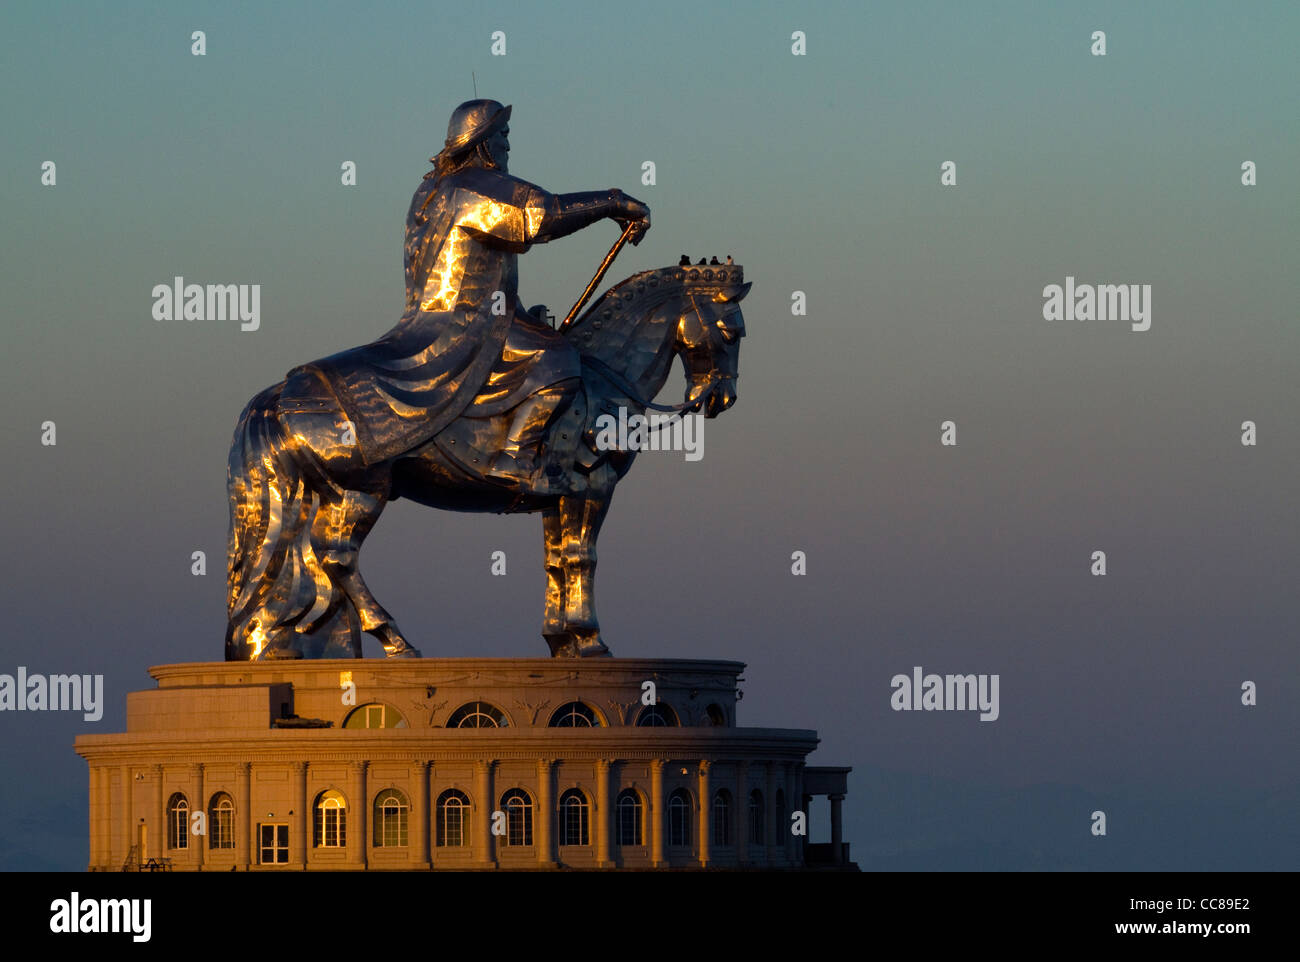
612 300
638 298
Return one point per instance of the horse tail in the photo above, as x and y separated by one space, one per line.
274 583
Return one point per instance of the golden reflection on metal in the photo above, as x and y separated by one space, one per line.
469 403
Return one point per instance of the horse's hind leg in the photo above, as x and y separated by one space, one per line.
348 498
340 525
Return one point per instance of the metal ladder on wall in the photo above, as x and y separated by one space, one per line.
132 863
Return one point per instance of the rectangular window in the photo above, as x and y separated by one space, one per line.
179 829
390 830
273 844
330 832
520 826
451 826
721 824
629 825
573 831
222 829
679 825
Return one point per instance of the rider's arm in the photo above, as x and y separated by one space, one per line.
565 213
507 212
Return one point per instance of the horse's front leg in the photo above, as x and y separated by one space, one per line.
580 519
553 631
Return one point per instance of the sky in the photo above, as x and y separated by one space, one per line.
821 174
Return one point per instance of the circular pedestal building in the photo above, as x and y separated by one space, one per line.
453 763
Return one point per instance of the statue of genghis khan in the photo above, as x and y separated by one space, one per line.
468 404
464 346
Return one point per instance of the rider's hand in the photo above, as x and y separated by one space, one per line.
633 211
639 230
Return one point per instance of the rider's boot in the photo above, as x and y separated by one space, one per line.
519 463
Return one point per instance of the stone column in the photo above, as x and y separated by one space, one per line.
107 810
545 814
655 815
771 831
128 800
197 806
742 813
705 799
157 835
483 808
302 809
358 842
96 860
805 802
602 814
788 840
431 813
419 781
96 836
837 830
244 813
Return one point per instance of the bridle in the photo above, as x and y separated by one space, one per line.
634 396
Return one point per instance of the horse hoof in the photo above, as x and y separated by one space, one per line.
407 652
589 645
562 645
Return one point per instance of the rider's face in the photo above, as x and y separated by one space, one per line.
498 146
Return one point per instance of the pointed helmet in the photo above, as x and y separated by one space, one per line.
473 122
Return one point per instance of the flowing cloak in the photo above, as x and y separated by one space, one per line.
464 233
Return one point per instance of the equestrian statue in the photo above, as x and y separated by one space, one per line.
469 403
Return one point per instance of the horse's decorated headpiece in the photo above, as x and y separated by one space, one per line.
709 276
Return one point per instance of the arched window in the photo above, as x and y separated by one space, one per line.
453 815
629 811
679 817
375 715
781 820
391 809
518 806
478 714
573 818
575 715
657 716
178 822
331 820
717 717
756 817
722 817
221 821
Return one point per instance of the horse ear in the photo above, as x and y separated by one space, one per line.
740 292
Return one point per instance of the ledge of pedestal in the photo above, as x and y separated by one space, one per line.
425 693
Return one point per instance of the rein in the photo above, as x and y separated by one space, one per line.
613 376
633 395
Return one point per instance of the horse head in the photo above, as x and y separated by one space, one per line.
637 327
708 336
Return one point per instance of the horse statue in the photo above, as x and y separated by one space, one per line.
300 509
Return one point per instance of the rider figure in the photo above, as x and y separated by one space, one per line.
464 345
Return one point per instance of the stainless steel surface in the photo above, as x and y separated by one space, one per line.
469 403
